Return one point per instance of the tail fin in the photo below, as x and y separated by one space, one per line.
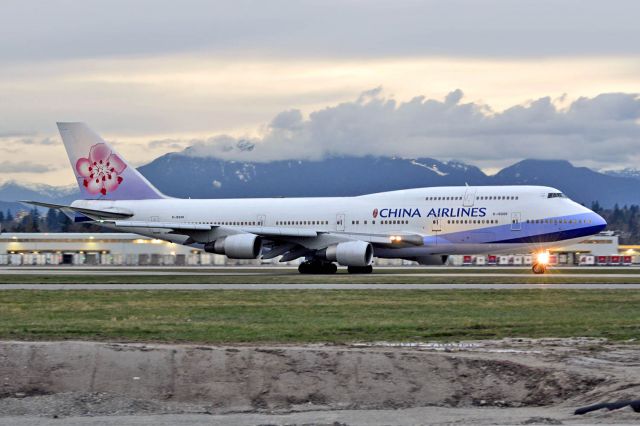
101 172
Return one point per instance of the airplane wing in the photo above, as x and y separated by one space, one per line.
283 242
163 225
297 235
290 243
264 231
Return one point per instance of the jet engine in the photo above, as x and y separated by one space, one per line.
239 246
351 253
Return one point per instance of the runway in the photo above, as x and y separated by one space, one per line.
319 286
271 272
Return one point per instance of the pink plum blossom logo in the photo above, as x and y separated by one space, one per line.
101 171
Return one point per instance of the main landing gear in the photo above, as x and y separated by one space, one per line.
539 268
360 269
320 267
317 267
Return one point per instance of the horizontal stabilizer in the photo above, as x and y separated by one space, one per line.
110 213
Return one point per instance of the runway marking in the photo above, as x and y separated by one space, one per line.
325 286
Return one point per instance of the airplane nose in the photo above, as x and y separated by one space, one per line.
598 222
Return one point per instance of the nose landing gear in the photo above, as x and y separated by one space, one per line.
540 263
539 268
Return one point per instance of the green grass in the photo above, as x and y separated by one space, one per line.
293 316
268 277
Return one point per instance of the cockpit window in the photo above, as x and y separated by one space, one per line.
556 195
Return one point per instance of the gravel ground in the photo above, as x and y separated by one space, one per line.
514 381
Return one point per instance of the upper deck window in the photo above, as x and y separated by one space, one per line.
556 195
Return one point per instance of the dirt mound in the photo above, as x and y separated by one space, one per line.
224 379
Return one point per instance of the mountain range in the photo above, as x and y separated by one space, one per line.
628 172
182 175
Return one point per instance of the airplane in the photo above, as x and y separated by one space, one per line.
425 225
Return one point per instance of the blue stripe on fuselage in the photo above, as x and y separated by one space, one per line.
556 236
529 232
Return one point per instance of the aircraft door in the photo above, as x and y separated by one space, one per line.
340 222
469 197
435 225
515 221
261 220
156 231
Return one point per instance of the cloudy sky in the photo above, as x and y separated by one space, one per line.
482 81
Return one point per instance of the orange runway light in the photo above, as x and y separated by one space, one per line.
543 258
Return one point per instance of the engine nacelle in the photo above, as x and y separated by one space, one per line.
432 260
351 253
239 246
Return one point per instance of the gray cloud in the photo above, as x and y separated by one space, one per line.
43 141
12 135
24 167
335 28
600 131
167 144
288 120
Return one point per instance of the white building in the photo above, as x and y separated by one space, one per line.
97 249
132 249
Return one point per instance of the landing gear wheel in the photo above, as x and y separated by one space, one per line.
304 268
314 267
538 268
360 269
329 268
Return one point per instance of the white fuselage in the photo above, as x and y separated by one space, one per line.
450 220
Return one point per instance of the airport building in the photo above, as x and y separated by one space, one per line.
97 249
120 249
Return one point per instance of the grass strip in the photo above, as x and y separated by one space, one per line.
294 316
279 278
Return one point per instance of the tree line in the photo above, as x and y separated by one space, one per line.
34 221
623 220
